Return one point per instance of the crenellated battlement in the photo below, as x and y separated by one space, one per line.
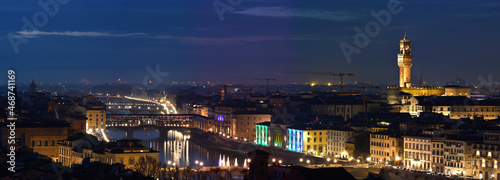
416 88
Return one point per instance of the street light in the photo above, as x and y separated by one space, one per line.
169 162
201 163
308 161
274 160
301 160
279 162
328 159
196 162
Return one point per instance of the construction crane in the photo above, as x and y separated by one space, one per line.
261 79
340 75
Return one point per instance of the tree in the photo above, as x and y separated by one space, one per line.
148 166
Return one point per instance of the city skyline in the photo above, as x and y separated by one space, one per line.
189 41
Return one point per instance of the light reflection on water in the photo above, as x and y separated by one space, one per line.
175 146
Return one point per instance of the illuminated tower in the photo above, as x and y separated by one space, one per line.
404 62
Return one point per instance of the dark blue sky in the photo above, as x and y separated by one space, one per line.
106 40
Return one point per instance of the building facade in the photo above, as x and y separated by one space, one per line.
126 152
438 156
295 140
386 148
486 156
243 123
337 142
457 157
96 118
315 141
41 137
417 152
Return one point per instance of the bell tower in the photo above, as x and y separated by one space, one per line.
405 62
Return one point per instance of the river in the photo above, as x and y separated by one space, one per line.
176 147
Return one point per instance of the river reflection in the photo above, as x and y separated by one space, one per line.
174 146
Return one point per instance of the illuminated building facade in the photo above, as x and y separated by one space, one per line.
486 156
96 118
262 134
454 107
438 156
295 140
243 123
126 152
386 148
279 134
337 142
417 152
315 141
41 137
457 157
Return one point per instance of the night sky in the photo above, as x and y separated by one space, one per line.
106 40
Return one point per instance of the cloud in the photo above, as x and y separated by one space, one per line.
282 12
237 40
33 34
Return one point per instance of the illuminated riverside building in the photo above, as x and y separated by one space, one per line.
243 123
417 152
386 148
405 62
96 118
486 156
295 140
337 139
262 134
315 140
438 155
126 152
458 155
279 134
229 124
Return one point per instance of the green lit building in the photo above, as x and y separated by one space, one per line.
262 134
